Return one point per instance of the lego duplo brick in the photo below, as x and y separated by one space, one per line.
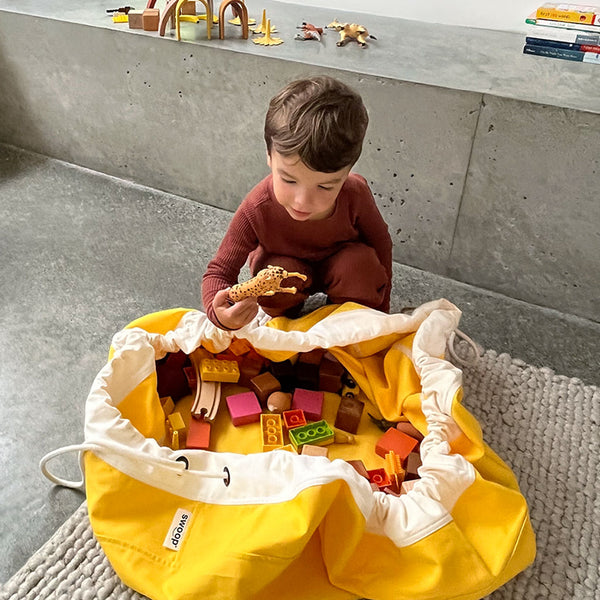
284 373
307 369
167 404
190 375
307 376
310 450
243 408
263 386
310 401
171 380
318 434
379 477
349 414
249 368
413 462
272 432
293 419
397 441
359 467
330 374
225 371
239 347
409 429
198 437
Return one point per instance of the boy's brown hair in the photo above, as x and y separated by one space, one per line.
321 119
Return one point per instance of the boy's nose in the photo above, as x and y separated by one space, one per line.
301 200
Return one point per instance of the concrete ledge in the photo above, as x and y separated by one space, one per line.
477 180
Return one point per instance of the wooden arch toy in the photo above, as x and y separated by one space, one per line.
239 10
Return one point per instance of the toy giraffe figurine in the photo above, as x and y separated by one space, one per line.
265 283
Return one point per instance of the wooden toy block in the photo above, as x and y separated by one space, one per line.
198 437
349 413
272 432
264 385
310 450
293 419
359 467
413 462
278 402
150 19
397 441
239 347
120 18
318 434
243 408
379 477
284 373
167 404
249 369
207 400
226 371
135 19
310 402
287 448
188 8
330 374
407 486
176 430
409 429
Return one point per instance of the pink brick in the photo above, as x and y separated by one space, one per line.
244 408
310 402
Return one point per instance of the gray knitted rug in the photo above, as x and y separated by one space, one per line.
543 425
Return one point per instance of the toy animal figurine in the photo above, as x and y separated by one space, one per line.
350 31
309 32
265 283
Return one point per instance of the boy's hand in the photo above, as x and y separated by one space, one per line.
234 316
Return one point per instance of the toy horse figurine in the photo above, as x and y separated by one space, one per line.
266 282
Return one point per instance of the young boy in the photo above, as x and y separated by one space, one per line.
310 215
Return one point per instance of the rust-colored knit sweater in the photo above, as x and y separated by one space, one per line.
262 221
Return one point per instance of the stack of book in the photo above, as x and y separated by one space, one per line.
567 31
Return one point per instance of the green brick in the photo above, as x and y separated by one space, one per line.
317 434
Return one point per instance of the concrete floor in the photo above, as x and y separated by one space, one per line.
83 254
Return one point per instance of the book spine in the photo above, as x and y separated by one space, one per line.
566 25
575 55
571 16
534 41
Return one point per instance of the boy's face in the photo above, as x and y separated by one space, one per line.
307 195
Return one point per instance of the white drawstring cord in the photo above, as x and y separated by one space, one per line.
474 347
177 465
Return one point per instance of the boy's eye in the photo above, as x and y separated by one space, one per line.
327 189
288 180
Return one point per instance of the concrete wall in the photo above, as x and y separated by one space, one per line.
494 192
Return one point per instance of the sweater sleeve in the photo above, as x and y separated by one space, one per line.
223 270
374 232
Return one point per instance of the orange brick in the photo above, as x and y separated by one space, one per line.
397 441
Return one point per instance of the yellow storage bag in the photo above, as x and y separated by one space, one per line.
237 523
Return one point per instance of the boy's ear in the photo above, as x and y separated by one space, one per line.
268 159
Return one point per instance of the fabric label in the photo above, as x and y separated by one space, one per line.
177 529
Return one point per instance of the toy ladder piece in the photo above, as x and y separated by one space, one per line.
208 393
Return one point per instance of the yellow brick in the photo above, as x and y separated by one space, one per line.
226 371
